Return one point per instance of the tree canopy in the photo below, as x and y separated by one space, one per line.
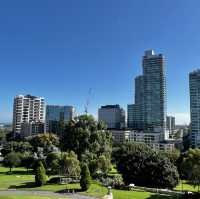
141 165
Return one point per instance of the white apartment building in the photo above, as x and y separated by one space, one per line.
26 109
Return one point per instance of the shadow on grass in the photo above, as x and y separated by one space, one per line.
24 185
158 196
17 172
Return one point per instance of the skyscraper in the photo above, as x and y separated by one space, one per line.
150 96
194 83
154 92
170 123
112 115
27 109
56 114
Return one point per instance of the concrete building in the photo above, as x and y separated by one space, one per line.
194 83
56 114
120 136
149 110
112 115
27 109
170 124
32 128
152 140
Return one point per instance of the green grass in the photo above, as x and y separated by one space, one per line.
29 197
98 191
19 179
186 187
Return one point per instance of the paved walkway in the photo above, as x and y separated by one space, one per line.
44 193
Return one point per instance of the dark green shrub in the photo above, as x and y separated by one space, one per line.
85 178
40 174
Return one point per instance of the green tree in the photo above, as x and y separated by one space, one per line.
53 162
70 165
12 160
141 165
195 176
85 178
40 174
27 161
21 147
104 164
46 141
84 135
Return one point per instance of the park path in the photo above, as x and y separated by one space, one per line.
44 193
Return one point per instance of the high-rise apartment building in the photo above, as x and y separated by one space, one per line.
56 114
113 116
150 95
27 109
154 92
194 83
170 124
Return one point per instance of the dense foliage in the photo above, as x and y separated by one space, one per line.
142 166
70 165
12 160
40 174
190 166
85 178
89 140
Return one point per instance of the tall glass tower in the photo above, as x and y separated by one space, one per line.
154 92
194 78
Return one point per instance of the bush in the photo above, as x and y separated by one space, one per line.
85 178
40 174
54 180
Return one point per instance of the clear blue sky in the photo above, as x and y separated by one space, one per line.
60 49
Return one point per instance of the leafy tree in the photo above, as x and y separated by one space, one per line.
21 147
47 141
70 164
141 165
195 176
85 135
173 156
85 178
12 160
188 161
104 164
28 161
53 163
40 174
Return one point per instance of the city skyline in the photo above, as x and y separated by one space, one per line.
60 56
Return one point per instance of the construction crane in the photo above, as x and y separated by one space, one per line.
88 101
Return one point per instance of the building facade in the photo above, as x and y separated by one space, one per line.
112 115
194 84
56 114
27 109
170 124
149 110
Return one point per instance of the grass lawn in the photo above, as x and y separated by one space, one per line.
18 176
99 191
29 197
186 187
19 179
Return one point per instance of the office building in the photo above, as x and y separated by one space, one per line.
27 109
113 116
56 114
194 83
